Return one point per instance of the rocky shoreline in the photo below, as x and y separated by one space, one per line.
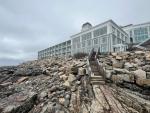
57 85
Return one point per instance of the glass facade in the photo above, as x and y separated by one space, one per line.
140 34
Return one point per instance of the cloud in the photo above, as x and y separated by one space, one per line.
27 26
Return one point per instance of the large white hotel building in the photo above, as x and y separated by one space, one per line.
105 37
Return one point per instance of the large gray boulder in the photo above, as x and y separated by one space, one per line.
21 102
140 74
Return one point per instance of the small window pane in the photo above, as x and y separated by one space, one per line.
95 41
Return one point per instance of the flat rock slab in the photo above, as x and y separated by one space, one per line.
106 102
18 103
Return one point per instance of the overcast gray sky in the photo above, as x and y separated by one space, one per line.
27 26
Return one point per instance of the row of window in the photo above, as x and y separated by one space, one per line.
140 34
49 52
91 42
55 49
140 31
119 34
119 49
117 40
141 38
58 54
102 48
87 36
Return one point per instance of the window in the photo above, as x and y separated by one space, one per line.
114 39
95 41
83 44
78 45
130 33
86 36
125 39
76 40
103 48
122 37
113 29
118 41
118 34
104 39
100 31
74 46
83 37
89 43
141 34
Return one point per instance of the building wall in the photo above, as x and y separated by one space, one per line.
59 50
103 36
138 33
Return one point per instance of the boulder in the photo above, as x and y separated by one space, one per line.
81 71
139 52
146 68
143 82
21 102
61 101
137 61
61 73
6 84
128 65
74 70
71 78
63 69
140 74
66 83
108 74
43 94
67 102
116 79
120 78
148 75
64 77
118 64
148 58
118 58
114 54
9 109
120 71
22 79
